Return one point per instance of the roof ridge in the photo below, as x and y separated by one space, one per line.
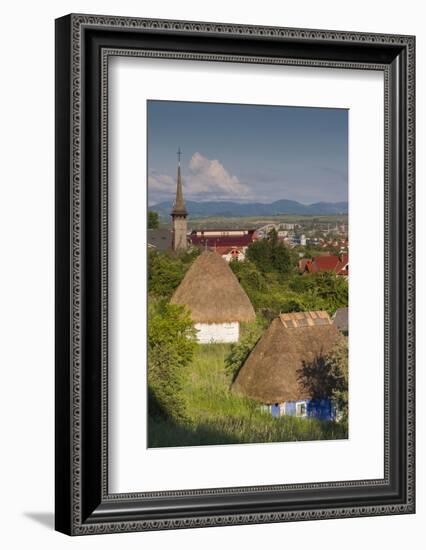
303 319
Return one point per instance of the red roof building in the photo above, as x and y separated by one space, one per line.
228 243
338 264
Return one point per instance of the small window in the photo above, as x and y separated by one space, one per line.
301 409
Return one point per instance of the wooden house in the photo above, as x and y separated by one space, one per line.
273 372
215 299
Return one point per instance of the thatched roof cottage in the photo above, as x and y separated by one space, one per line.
215 298
272 374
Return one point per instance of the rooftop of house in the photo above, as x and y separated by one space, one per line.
305 319
160 239
222 231
326 262
225 240
273 372
212 292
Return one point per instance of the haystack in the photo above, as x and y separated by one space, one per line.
271 373
215 298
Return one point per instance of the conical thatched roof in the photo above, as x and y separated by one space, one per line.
212 292
271 373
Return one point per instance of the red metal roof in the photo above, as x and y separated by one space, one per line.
338 264
325 263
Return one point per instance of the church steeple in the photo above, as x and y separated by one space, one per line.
179 214
179 205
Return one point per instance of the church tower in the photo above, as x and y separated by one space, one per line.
179 215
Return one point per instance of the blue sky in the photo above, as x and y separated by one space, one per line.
247 153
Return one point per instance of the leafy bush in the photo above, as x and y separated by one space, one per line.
153 220
241 350
271 294
166 271
325 288
327 377
171 346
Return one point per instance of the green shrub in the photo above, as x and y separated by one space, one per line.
327 377
153 220
239 351
328 290
171 346
166 271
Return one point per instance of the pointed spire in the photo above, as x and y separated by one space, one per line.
179 208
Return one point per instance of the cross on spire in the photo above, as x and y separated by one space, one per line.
179 204
179 214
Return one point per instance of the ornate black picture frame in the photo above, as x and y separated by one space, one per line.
83 45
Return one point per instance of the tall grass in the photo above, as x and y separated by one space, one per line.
217 416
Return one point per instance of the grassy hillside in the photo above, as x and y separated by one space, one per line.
219 417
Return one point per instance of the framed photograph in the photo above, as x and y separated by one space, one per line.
217 360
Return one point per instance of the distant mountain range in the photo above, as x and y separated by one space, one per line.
229 209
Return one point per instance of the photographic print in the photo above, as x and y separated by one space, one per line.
205 202
248 273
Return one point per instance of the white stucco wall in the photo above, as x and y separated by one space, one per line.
217 333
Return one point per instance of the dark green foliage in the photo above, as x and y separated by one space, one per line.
188 258
239 351
271 255
327 377
171 346
248 275
326 287
166 271
271 294
268 275
153 220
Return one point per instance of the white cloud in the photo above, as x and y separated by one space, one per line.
161 187
211 178
161 183
205 180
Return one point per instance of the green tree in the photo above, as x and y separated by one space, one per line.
321 290
166 271
248 275
271 255
327 376
171 346
153 220
241 350
270 294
